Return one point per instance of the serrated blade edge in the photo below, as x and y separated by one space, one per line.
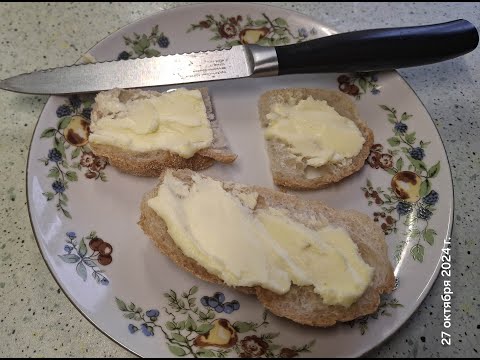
235 62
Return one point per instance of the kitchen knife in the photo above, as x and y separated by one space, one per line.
365 50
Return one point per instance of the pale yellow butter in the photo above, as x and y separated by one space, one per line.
175 121
245 246
314 131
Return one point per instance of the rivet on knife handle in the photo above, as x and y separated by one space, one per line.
379 49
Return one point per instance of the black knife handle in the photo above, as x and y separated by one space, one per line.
379 49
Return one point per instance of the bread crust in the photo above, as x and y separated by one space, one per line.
300 304
152 163
290 172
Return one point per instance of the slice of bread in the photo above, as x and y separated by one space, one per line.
300 304
287 169
152 163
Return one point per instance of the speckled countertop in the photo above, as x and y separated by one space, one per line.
36 319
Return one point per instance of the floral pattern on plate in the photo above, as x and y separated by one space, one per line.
237 30
78 253
359 84
410 198
191 330
383 310
144 45
70 143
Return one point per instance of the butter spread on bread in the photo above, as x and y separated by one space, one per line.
314 131
175 121
244 246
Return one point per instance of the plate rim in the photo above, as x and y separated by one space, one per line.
427 287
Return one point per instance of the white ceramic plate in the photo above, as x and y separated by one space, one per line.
84 213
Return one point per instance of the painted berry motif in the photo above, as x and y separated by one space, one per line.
64 110
76 252
70 142
124 55
237 30
410 199
217 303
143 45
191 330
358 84
163 41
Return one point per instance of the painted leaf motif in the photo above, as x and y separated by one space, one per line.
243 327
138 49
410 138
202 329
179 338
429 236
47 133
406 116
418 164
171 326
49 195
70 258
75 153
82 271
417 252
260 22
394 141
434 170
363 84
65 122
82 250
264 41
205 353
399 164
391 172
54 173
60 146
425 187
89 263
177 351
233 43
194 290
121 305
190 325
152 52
144 42
280 22
66 214
71 176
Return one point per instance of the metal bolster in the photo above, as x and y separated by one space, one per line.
264 60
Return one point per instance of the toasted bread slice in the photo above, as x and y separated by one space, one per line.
287 169
300 304
152 163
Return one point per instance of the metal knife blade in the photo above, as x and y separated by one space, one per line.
236 62
365 50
